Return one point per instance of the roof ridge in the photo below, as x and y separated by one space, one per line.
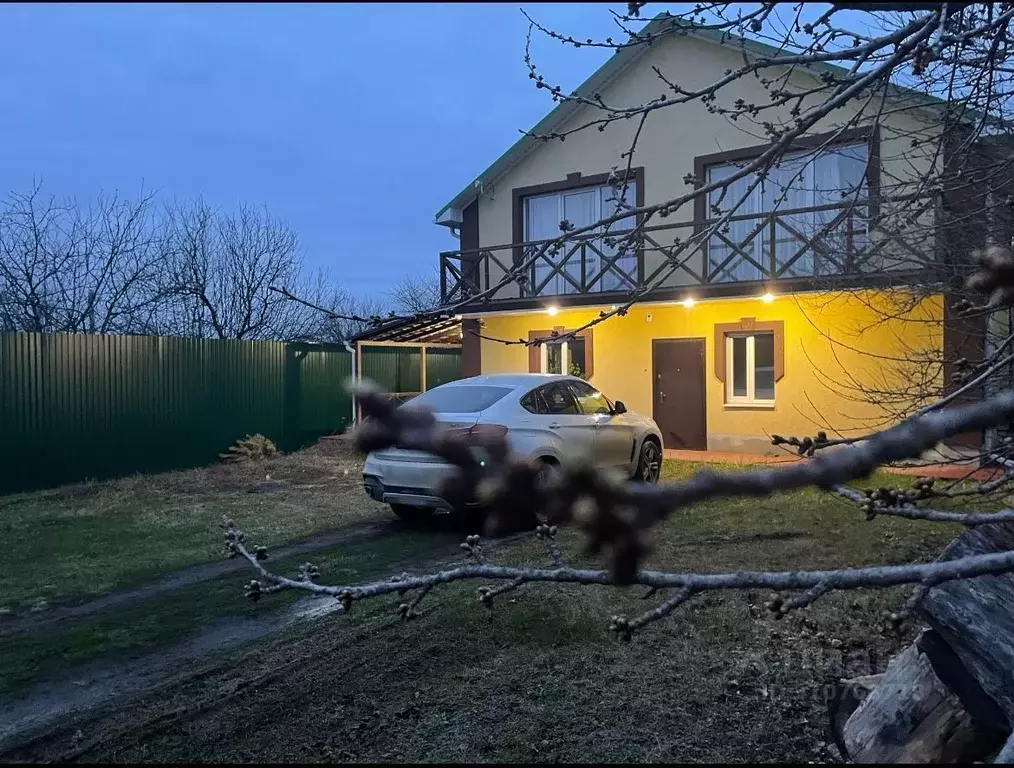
614 66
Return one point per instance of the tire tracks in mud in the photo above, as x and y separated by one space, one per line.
93 689
30 625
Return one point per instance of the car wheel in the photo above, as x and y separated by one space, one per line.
649 465
548 469
412 515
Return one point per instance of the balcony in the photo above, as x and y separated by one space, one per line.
798 247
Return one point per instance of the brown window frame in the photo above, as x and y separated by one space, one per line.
745 327
867 133
573 181
535 352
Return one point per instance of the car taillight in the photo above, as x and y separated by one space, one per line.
478 433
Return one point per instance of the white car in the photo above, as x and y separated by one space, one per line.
546 417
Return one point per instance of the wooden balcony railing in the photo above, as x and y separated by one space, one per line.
818 241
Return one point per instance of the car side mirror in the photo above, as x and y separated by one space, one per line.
619 407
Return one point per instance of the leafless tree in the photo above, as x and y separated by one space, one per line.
353 316
219 269
122 265
77 270
942 227
417 292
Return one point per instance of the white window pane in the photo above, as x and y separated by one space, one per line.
576 365
542 217
786 186
764 366
801 181
840 171
739 388
554 358
581 208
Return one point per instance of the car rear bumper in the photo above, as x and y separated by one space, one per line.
410 483
406 495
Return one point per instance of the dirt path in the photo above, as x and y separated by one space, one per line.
104 683
107 681
184 578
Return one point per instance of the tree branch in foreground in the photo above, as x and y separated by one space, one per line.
614 514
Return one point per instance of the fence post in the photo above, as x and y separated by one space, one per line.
422 367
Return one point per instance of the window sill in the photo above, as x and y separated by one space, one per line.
754 406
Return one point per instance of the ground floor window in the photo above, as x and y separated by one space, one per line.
560 353
565 357
750 368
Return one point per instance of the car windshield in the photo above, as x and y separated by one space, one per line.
460 399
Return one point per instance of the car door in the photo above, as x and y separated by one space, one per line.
572 432
614 434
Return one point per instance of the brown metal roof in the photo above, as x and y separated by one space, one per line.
437 330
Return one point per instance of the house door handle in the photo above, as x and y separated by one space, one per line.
661 395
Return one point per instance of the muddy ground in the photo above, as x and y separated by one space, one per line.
537 678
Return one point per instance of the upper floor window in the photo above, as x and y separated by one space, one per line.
605 268
821 225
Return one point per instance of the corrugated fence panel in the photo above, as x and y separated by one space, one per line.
77 407
442 366
318 400
394 369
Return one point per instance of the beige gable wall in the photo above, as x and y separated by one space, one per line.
674 136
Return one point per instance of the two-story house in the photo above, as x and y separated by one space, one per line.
787 321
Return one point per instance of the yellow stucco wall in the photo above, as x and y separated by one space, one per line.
834 344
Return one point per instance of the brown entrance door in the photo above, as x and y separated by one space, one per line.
679 401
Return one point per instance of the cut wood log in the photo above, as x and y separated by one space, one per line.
912 717
949 697
975 619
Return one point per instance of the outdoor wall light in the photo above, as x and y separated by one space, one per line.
767 298
552 311
688 302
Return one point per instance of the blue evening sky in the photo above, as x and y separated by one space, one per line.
355 123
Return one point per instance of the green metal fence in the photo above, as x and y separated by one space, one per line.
442 366
394 369
76 407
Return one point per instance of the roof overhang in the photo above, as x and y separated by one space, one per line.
450 217
441 329
451 214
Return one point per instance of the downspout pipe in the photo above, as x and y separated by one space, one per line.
355 381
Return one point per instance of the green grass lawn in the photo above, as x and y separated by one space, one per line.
86 540
538 677
158 621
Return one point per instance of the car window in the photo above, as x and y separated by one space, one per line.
460 398
534 402
589 399
559 399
